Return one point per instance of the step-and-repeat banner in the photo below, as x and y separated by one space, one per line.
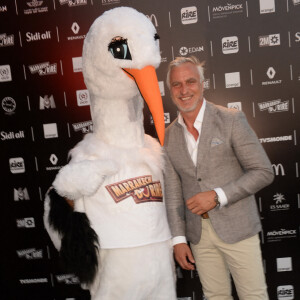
252 63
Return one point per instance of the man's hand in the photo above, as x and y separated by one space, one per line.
184 256
201 202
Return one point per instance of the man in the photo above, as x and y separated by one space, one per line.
214 166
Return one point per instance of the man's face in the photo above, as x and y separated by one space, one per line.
186 88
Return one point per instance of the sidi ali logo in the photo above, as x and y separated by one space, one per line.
141 189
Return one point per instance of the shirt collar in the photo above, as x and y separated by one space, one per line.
199 118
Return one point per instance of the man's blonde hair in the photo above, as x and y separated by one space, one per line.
181 60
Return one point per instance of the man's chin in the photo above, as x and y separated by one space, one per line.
186 109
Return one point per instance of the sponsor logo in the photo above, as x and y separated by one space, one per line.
267 6
17 165
153 19
3 8
284 264
5 73
220 12
75 29
164 59
73 2
38 36
161 88
47 102
9 105
25 223
271 74
184 50
68 279
84 127
278 169
141 189
274 106
107 2
33 280
83 98
54 160
43 69
230 44
275 139
189 15
279 198
21 194
269 40
232 80
279 205
7 40
279 235
12 135
50 130
285 292
35 7
77 64
166 117
30 254
235 105
206 84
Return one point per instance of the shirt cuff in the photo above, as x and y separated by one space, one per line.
222 197
179 240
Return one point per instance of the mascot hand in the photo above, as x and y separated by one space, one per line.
84 178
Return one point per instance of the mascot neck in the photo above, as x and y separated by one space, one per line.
119 122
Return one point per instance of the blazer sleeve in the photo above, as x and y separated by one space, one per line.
174 200
257 169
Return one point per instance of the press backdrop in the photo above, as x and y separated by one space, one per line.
251 50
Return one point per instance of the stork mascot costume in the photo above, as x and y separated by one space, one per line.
116 239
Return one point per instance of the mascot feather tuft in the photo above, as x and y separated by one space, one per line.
116 239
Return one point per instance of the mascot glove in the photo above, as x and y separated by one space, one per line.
79 179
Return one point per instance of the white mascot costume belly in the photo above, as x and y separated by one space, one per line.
116 239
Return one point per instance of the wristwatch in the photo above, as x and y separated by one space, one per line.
217 200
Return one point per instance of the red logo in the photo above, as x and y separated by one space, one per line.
141 189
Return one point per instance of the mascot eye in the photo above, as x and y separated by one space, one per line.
119 48
156 36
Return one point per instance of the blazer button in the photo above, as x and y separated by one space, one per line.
199 179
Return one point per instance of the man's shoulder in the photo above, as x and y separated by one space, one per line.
172 133
222 113
173 126
222 109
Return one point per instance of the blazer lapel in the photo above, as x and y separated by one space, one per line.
206 134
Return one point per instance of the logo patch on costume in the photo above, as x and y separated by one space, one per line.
141 189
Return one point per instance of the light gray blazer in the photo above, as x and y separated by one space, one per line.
231 157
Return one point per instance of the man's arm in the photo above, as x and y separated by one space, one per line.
257 170
176 216
252 157
174 200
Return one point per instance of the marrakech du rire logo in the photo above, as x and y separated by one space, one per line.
141 189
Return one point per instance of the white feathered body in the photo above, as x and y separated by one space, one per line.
127 209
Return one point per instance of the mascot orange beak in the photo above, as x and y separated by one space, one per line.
147 83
